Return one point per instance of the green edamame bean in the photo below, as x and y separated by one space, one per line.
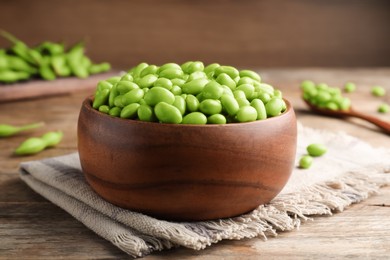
239 94
216 119
211 68
305 162
245 80
10 130
124 87
192 103
316 150
185 66
194 87
178 82
104 109
262 87
31 146
230 104
212 90
146 113
322 86
349 87
139 68
180 103
229 70
151 69
114 80
176 90
195 66
103 84
163 83
307 85
260 109
197 75
243 102
344 104
248 90
101 98
251 74
383 108
130 111
118 101
323 96
210 106
147 81
332 106
158 94
227 90
278 93
171 73
115 111
378 91
133 96
167 113
246 114
170 65
274 107
195 118
127 77
224 79
113 94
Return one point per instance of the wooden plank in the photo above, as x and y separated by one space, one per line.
41 88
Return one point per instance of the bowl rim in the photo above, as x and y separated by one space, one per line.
87 104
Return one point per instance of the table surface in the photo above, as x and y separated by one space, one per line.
33 228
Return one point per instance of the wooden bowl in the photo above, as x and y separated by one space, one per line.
186 172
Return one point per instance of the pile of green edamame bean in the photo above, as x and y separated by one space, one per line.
323 96
190 93
32 145
48 61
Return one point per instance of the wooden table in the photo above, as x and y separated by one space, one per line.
33 228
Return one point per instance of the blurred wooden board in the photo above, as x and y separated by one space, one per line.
41 88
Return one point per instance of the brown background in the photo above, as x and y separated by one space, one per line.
269 33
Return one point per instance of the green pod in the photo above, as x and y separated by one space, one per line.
180 103
52 138
167 113
251 74
146 113
133 96
18 64
210 106
130 111
163 83
212 90
230 104
101 98
75 59
195 118
46 72
229 70
260 109
99 68
158 94
216 119
10 76
194 87
60 66
10 130
246 114
171 73
32 145
224 79
192 103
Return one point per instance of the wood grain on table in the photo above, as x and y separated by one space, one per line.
33 228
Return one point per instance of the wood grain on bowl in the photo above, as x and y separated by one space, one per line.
186 172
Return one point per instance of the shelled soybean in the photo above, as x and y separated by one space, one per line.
189 93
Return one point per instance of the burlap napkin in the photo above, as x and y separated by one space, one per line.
349 172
